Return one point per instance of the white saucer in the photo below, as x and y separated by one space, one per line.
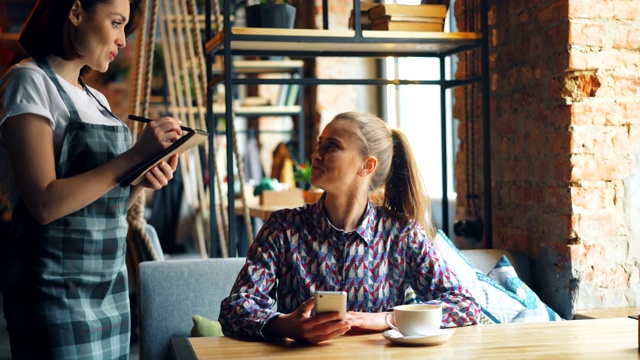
436 338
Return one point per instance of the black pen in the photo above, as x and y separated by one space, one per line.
146 120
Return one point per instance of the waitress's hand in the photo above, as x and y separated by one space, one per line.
161 174
156 136
303 327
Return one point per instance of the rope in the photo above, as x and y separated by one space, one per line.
139 56
153 27
191 27
181 99
135 218
135 215
245 208
224 228
217 19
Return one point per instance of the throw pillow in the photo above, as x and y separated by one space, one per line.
497 302
205 327
497 305
535 310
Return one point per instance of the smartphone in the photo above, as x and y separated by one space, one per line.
330 301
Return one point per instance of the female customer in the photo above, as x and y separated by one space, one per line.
63 152
346 243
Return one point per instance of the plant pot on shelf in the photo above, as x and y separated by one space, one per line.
312 195
271 16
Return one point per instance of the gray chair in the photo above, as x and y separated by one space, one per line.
172 291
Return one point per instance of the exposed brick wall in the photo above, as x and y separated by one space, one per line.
565 144
602 87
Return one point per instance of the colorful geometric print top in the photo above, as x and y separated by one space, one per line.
298 252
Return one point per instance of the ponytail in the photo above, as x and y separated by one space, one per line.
404 191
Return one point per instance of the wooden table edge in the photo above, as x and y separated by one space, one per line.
182 348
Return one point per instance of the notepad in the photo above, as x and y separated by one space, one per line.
191 138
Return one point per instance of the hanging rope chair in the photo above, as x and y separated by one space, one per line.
183 23
139 242
185 67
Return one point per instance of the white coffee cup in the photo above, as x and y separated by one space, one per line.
415 319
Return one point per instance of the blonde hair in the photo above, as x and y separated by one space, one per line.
397 172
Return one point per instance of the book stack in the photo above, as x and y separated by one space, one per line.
364 15
397 17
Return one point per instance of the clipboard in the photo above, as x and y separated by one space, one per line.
191 138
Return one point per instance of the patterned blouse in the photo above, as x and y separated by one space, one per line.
298 252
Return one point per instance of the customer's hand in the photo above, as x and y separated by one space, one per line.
301 326
363 321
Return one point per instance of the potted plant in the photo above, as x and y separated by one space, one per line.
271 14
302 176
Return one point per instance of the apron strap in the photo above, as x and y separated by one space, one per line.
46 67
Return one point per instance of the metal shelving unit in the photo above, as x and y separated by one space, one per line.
236 41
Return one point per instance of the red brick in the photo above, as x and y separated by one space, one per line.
600 139
558 197
581 59
587 34
559 143
627 86
559 225
631 114
603 113
579 85
555 12
591 198
598 225
562 170
625 10
599 169
606 277
604 9
628 39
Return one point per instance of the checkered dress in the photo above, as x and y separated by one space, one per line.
298 252
65 290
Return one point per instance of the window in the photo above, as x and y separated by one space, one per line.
416 110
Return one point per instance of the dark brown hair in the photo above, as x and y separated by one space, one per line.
48 31
397 172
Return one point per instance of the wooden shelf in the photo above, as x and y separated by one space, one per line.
262 66
603 313
9 36
343 42
264 110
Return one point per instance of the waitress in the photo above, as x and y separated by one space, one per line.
62 154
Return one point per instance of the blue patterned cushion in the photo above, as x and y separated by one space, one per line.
497 302
534 310
503 296
498 306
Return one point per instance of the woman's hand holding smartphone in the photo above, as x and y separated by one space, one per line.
330 301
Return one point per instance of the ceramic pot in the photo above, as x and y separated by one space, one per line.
312 195
271 16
